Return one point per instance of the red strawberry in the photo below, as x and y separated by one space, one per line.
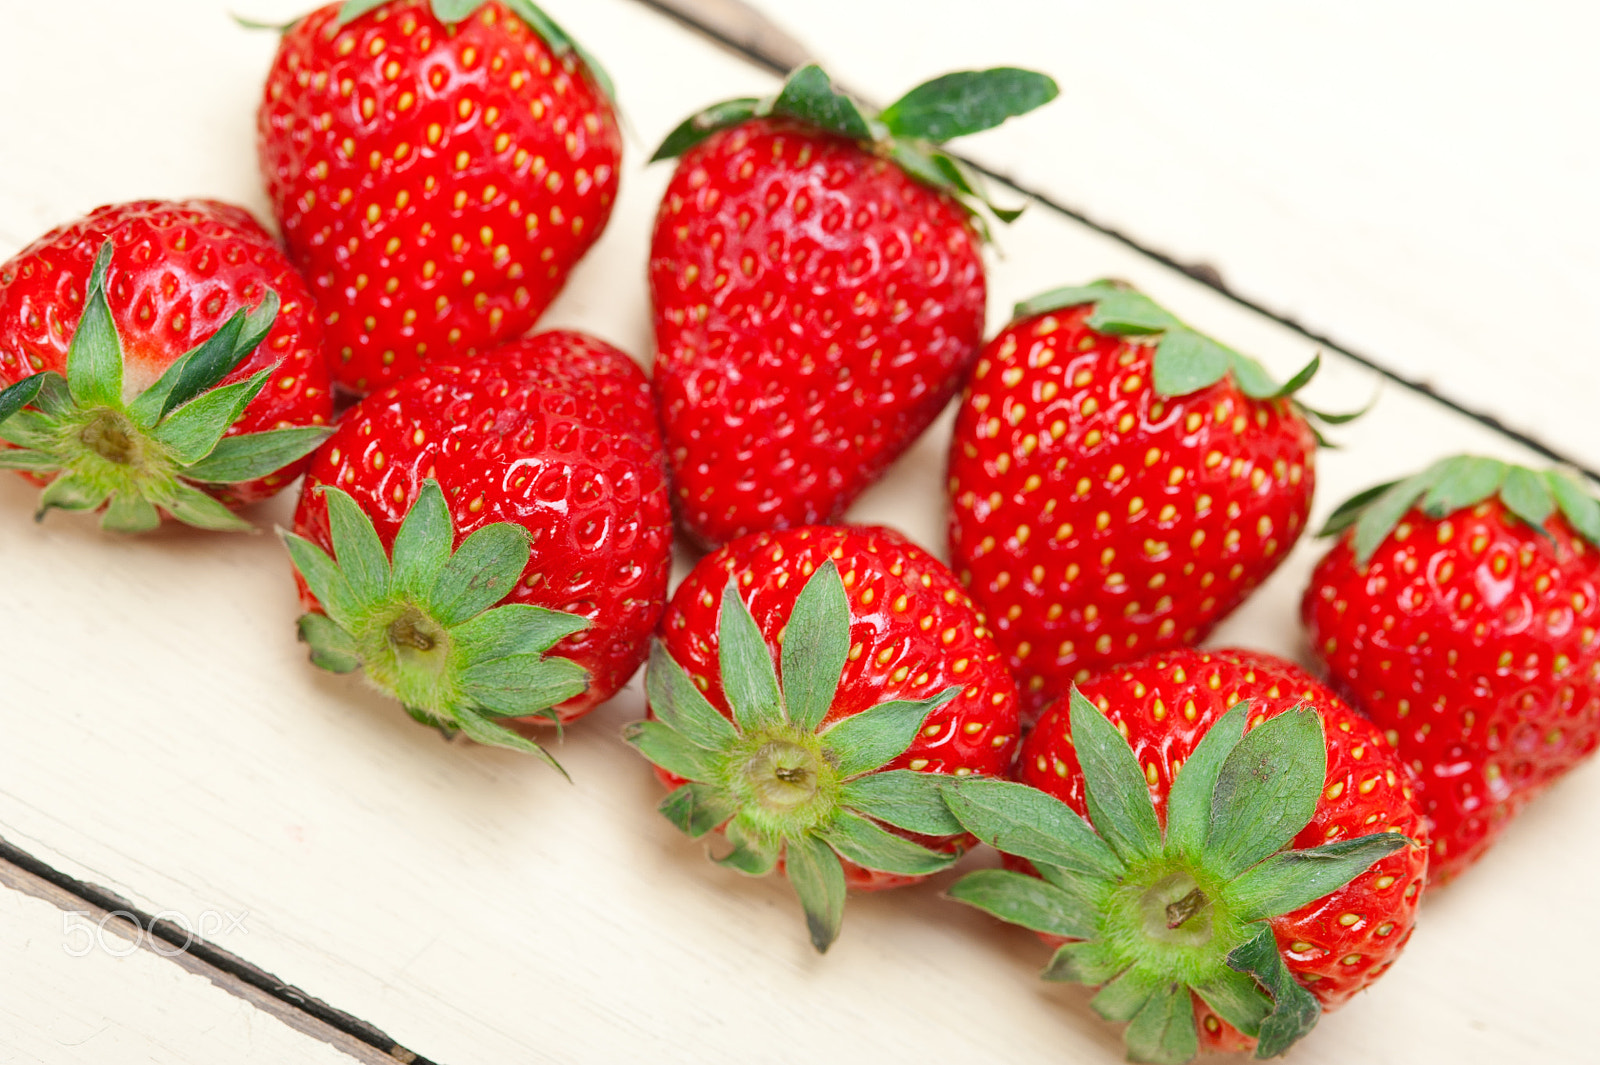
1198 926
549 442
1459 610
889 683
818 290
1118 483
437 171
155 391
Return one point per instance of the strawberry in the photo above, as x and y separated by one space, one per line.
1459 610
1177 897
1119 483
810 690
818 291
437 169
540 463
163 360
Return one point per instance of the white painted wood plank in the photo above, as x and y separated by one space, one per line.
165 737
79 985
1414 179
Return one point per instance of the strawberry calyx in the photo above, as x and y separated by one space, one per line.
1153 917
909 131
450 12
779 783
1462 481
1185 359
141 457
421 620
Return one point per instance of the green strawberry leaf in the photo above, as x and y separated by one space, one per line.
482 572
818 879
94 357
680 705
323 576
1163 1031
965 102
703 124
1124 311
1063 298
1016 819
203 368
21 394
815 646
1115 790
866 741
903 798
1237 999
752 854
871 847
1347 513
249 456
696 809
1294 1011
480 729
1090 962
669 749
356 546
1527 495
423 544
1027 901
749 679
193 430
809 96
28 460
130 514
332 648
1186 362
1292 879
1462 481
523 685
193 507
1384 513
1189 799
1126 995
1267 790
1581 509
514 630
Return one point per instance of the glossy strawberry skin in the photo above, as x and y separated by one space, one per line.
815 308
179 270
1472 641
914 633
436 184
1097 521
1165 703
554 432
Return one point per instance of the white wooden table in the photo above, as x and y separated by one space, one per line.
168 750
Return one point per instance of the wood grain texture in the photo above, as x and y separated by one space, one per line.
1413 180
82 985
167 739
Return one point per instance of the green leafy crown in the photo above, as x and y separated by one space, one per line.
776 781
909 131
450 12
1151 916
1461 481
424 625
138 458
1185 360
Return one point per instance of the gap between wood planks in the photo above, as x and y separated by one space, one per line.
20 871
749 33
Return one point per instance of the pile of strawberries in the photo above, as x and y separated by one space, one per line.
1215 840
